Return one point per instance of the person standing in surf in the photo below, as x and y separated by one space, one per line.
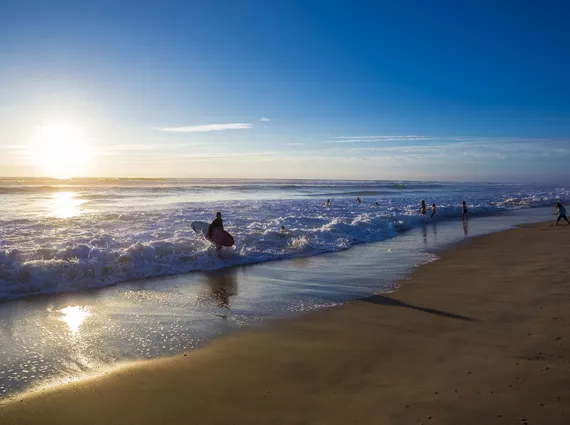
358 201
218 222
464 214
433 211
423 207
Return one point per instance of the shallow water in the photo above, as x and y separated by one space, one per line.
68 235
50 339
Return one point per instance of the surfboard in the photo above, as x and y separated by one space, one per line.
221 237
200 227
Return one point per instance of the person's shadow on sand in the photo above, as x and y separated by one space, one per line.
383 300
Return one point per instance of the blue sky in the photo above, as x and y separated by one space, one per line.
462 90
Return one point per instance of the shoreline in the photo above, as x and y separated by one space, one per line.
440 220
443 351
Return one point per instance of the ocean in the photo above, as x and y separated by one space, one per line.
69 235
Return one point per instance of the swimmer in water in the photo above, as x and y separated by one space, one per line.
423 207
327 203
358 201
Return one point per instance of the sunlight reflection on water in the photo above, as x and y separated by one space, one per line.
65 205
74 316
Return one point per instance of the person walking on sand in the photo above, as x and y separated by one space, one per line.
433 211
423 207
464 214
561 211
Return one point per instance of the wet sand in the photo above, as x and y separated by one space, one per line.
479 337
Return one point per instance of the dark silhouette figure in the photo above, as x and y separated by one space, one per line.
218 222
561 211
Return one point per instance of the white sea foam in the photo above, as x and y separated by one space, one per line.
124 230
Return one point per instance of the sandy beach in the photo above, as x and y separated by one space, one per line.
478 337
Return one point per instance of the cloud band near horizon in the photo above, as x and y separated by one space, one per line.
206 127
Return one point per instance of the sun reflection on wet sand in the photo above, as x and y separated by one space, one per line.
65 205
74 316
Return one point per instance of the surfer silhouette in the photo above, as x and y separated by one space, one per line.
217 223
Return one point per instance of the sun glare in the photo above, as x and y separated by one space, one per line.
74 316
61 150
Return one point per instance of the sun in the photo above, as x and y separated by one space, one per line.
61 150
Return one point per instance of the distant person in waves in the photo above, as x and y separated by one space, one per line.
358 201
464 214
561 211
423 208
433 210
327 203
377 204
218 222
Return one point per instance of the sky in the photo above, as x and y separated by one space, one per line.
433 90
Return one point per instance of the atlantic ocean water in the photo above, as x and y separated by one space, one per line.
98 272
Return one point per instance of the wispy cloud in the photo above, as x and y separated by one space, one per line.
409 137
264 119
415 138
139 149
378 139
14 147
207 127
295 144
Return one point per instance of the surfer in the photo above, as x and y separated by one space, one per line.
561 211
358 201
423 207
218 222
433 211
464 215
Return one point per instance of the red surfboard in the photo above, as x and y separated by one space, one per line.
221 237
